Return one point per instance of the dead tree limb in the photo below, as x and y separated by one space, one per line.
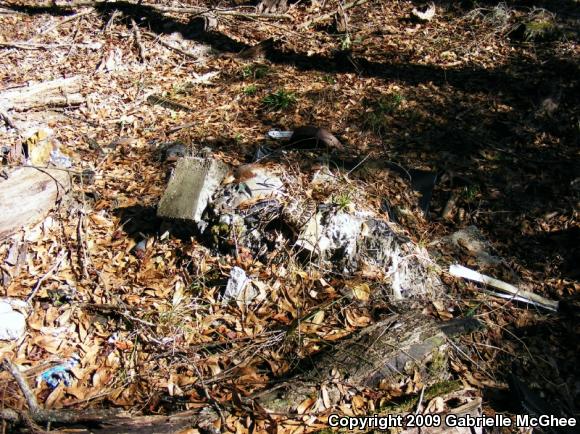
101 421
62 91
333 13
138 41
68 20
382 353
40 415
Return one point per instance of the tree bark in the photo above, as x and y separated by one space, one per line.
59 92
384 352
27 196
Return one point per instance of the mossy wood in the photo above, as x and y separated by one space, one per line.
382 353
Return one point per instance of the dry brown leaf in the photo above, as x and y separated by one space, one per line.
55 396
305 405
50 344
361 291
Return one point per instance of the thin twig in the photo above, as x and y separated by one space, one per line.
23 385
82 250
24 45
358 164
8 120
45 276
111 21
67 20
212 401
40 415
118 310
420 400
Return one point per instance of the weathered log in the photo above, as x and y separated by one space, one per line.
382 353
101 421
266 13
27 195
59 92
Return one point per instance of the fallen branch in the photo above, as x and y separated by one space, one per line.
138 41
100 421
186 10
381 353
24 45
333 13
170 46
40 415
62 91
67 20
8 120
467 273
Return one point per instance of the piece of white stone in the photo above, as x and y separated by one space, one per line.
12 324
239 288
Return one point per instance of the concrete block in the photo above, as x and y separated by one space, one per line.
191 187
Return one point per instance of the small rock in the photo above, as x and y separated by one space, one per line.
175 152
238 288
425 13
471 241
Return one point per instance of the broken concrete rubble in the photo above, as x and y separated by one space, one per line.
191 187
352 241
253 210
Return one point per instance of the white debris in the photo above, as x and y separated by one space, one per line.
279 135
343 231
239 288
424 14
12 323
204 78
311 237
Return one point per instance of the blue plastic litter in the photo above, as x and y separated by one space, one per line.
60 373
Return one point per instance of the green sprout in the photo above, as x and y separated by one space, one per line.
279 100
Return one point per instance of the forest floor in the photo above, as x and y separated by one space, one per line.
487 95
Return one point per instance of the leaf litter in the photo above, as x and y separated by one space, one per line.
142 309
